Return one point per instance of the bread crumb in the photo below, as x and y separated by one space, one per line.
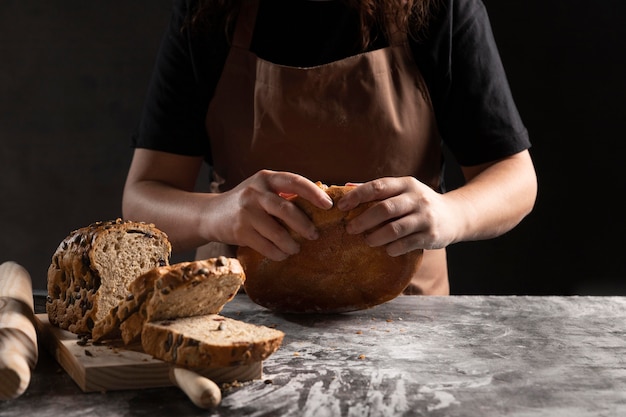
296 353
359 332
83 340
361 356
234 384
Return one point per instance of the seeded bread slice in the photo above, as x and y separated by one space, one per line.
139 290
181 290
92 267
209 341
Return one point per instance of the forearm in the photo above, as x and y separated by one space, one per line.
160 189
494 199
177 212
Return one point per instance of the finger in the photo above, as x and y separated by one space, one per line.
407 244
379 189
291 216
397 239
379 213
266 248
268 236
266 225
400 247
289 184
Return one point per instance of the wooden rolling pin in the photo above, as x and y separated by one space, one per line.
203 392
18 338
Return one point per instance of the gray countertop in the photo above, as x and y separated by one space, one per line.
414 356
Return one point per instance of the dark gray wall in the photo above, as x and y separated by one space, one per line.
566 62
73 75
72 79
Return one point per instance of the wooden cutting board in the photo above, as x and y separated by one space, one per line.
113 366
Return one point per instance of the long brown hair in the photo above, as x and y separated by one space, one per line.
411 16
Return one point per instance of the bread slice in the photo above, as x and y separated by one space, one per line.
138 292
209 341
181 290
93 266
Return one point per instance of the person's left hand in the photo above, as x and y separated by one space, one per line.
410 215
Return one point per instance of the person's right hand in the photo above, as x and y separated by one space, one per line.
249 214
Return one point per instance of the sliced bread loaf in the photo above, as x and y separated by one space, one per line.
181 290
209 341
93 266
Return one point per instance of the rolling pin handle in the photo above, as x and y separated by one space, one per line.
203 392
18 337
15 374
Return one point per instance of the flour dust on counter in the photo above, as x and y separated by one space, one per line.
447 356
457 356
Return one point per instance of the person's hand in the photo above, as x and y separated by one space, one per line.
410 215
249 214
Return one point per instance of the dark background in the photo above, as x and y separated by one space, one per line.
73 75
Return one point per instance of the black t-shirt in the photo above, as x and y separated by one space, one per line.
475 111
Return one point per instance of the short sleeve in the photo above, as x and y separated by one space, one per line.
178 94
474 107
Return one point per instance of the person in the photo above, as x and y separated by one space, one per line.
275 95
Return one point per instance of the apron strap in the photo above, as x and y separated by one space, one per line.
244 27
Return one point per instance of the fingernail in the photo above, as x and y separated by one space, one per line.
314 235
293 250
281 257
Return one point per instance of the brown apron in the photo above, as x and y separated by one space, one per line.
353 120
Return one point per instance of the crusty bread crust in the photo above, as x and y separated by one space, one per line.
181 290
338 272
209 341
92 267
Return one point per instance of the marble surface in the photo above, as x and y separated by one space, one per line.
414 356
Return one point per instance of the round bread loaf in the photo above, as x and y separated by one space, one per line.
338 272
